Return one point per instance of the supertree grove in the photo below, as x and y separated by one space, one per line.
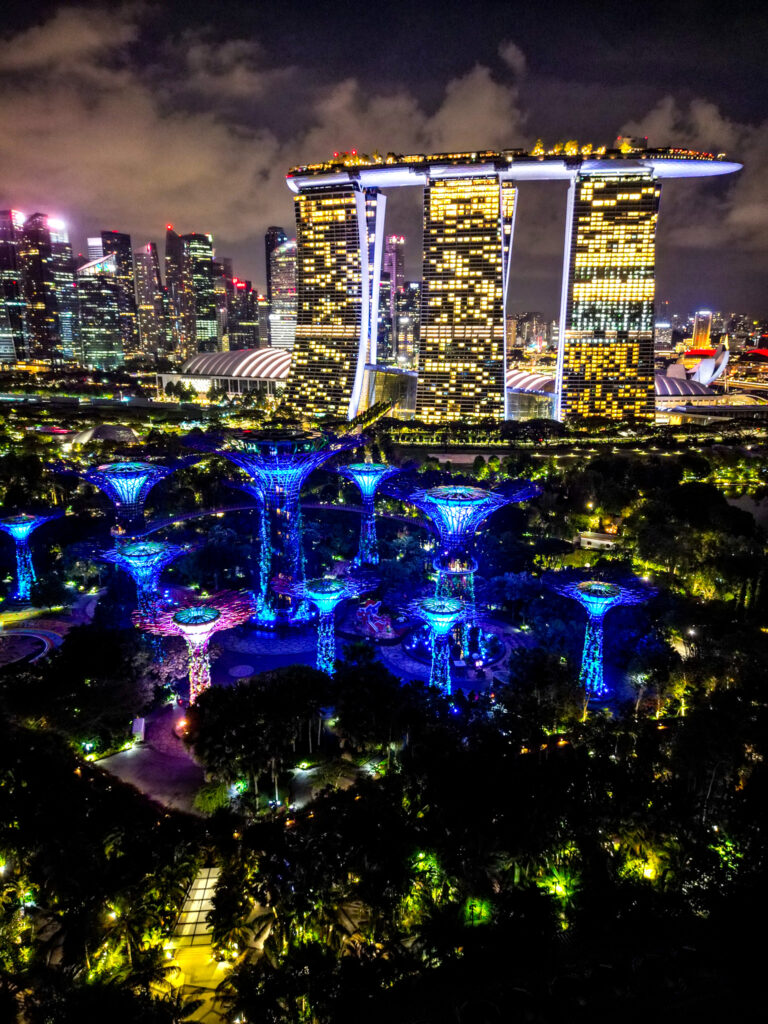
326 594
19 527
278 463
144 560
368 476
127 485
441 615
196 624
597 597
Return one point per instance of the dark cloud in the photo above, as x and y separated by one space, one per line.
113 117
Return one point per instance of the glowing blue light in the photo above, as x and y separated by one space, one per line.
127 485
326 594
441 614
144 561
197 617
597 597
20 527
368 476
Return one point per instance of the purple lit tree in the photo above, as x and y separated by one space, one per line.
127 485
197 624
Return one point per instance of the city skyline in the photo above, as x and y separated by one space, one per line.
268 106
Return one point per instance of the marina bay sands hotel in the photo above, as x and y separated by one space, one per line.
605 352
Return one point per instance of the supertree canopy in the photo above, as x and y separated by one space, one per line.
278 463
326 594
144 560
597 597
197 624
19 527
457 511
368 476
441 614
127 485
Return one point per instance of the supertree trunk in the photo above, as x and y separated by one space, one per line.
591 676
199 667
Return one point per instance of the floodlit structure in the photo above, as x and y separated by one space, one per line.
368 476
326 594
144 560
19 527
127 485
597 597
278 463
441 614
197 624
470 205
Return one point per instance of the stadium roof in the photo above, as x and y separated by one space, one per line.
258 363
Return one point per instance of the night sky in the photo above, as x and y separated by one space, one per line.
127 116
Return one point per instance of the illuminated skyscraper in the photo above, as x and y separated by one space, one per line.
605 355
702 329
117 243
12 304
339 242
177 299
198 276
393 265
243 316
468 226
150 309
98 295
272 239
47 271
282 304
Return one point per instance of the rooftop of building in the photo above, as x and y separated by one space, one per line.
562 161
261 363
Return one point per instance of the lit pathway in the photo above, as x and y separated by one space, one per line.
199 974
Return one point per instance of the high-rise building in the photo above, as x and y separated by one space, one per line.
408 318
12 304
199 284
243 316
95 249
282 305
339 243
393 264
605 356
119 244
98 293
63 266
274 237
177 301
37 261
150 306
262 310
468 224
702 329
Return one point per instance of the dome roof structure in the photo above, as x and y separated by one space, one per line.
253 363
666 387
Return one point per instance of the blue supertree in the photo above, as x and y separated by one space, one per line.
278 463
368 476
326 594
597 597
19 527
253 489
144 560
441 615
127 485
457 511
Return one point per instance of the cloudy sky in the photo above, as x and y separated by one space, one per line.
130 115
